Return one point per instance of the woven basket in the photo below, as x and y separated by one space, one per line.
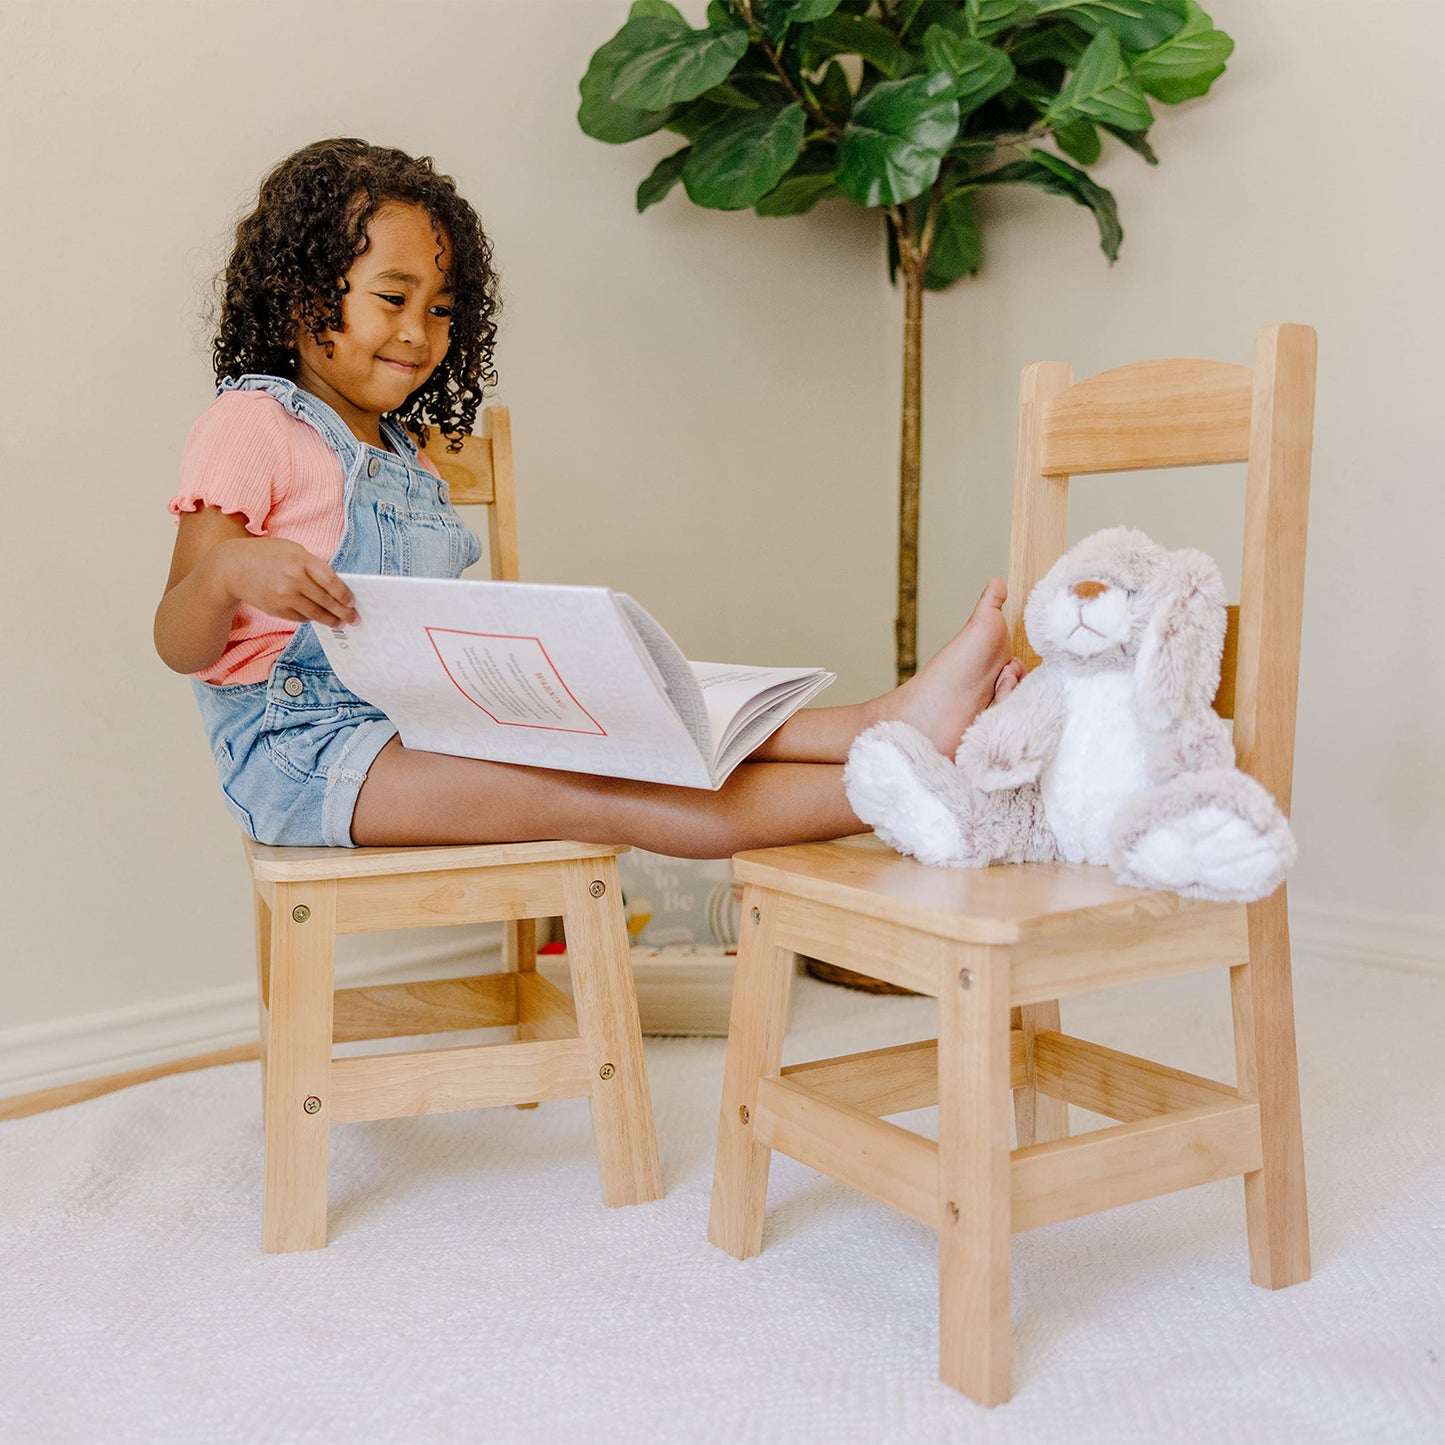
832 973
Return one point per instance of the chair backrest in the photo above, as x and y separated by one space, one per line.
480 475
1190 413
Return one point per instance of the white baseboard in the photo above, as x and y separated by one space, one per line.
1336 932
677 994
139 1036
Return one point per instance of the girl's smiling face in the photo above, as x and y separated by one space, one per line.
397 323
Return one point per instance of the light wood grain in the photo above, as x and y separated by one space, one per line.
436 1081
1262 993
889 1163
1118 1085
890 1081
295 865
298 1068
431 1006
1129 1162
606 1002
543 1009
1038 1116
1005 904
1110 954
467 471
1178 413
762 982
974 1180
450 896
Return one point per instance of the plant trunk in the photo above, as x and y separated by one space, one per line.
911 264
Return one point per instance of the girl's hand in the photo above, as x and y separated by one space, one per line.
282 579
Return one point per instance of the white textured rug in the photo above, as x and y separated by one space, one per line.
476 1289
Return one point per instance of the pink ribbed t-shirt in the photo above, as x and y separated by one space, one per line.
250 457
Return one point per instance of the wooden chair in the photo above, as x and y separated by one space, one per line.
305 897
999 947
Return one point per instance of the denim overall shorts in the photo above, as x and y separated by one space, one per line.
293 751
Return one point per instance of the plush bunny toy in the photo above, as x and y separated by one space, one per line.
1108 752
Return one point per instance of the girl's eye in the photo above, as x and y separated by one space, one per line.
444 311
393 300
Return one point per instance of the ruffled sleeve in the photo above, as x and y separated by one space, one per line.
237 458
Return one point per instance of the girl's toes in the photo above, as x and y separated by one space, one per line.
1008 679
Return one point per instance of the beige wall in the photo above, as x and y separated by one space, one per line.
705 404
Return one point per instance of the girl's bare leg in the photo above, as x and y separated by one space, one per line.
791 792
413 797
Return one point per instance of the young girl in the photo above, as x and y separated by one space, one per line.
360 310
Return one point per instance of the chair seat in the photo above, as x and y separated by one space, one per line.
304 865
1007 903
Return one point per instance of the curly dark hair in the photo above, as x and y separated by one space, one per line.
293 251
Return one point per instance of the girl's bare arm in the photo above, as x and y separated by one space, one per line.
216 566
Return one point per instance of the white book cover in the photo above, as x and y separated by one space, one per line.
578 678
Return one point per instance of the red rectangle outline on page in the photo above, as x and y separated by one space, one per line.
515 637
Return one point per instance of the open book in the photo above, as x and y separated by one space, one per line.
579 678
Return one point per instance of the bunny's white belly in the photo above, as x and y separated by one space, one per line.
1099 763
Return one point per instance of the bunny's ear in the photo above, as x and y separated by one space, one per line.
1178 664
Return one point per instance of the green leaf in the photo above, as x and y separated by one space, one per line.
1136 140
1102 89
857 35
599 115
979 71
1186 64
957 248
988 17
1080 139
735 163
680 67
892 148
665 175
731 96
776 15
834 93
1062 179
795 194
657 10
1063 44
1139 24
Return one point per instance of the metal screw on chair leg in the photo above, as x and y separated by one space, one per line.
757 915
743 1113
965 978
301 913
952 1212
312 1104
597 888
606 1071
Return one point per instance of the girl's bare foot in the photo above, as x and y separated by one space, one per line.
974 669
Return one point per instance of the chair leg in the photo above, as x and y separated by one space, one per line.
759 1019
298 1073
974 1183
262 912
1276 1209
606 1002
1038 1118
520 944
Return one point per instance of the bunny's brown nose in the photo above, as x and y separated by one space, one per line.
1085 590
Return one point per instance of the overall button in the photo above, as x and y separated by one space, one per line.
373 467
293 686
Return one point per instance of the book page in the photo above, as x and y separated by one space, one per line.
745 705
554 677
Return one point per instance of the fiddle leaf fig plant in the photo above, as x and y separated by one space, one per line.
906 107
